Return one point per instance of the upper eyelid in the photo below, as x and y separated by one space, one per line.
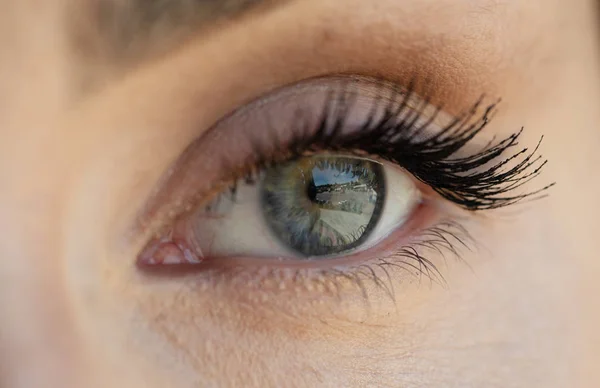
168 103
193 151
168 203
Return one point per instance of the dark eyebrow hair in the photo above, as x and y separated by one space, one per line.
126 29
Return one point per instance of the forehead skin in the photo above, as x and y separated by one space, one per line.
88 126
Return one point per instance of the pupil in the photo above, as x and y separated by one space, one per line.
319 206
311 190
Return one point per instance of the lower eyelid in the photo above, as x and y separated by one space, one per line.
414 251
404 261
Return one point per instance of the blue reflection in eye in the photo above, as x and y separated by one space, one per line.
324 176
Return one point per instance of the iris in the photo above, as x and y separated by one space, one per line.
323 205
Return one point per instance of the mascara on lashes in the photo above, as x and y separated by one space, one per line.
398 130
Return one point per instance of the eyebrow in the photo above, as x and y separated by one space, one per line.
125 29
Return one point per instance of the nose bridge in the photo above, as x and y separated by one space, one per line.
39 344
39 341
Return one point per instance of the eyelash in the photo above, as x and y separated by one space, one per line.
446 237
403 136
461 180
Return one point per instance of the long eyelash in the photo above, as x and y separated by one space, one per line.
484 180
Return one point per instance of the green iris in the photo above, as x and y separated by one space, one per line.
323 205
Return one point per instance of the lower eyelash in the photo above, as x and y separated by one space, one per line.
447 239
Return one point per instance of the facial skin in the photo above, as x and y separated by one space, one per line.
88 128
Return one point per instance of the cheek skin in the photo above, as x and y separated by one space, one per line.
429 335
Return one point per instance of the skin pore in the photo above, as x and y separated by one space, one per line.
98 99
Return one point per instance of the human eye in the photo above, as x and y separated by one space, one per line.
308 208
336 176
